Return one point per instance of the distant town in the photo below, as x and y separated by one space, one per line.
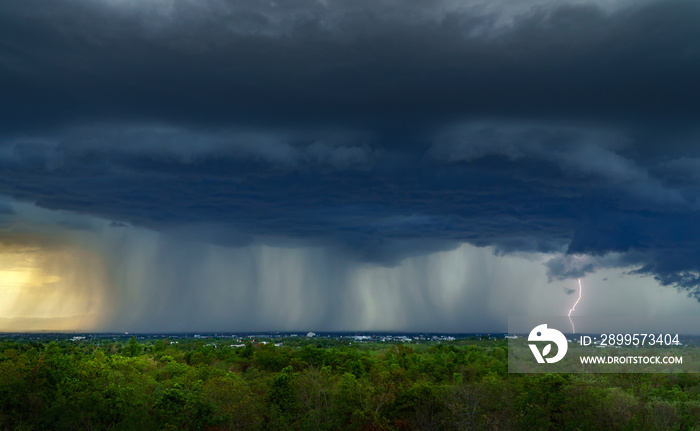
239 339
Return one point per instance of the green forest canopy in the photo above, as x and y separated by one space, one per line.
320 384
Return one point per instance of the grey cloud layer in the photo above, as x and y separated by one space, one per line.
372 64
386 128
515 187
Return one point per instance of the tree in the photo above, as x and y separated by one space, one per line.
237 407
133 348
282 398
316 394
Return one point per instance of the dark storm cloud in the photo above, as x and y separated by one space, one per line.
368 64
546 196
388 129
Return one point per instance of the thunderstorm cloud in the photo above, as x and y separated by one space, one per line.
347 156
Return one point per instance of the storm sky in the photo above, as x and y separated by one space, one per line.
174 165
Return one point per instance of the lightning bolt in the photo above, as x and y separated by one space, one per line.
580 291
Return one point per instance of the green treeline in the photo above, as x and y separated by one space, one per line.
321 385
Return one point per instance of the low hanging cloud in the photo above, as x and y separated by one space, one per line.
516 187
291 149
585 154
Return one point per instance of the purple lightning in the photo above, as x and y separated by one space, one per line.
580 291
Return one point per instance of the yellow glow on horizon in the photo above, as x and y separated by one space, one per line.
14 278
54 290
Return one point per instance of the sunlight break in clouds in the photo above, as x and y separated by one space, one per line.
51 289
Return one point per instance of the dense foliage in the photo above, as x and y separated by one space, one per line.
320 385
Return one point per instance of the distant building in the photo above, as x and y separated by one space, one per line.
311 334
